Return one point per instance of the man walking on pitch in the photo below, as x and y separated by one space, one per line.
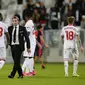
3 30
70 37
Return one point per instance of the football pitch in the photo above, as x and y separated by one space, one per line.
52 75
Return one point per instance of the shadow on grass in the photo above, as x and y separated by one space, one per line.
44 77
56 77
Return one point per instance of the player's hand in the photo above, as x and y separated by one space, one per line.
81 49
46 46
28 50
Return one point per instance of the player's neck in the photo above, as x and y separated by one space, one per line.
70 24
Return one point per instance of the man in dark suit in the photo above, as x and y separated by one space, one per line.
17 35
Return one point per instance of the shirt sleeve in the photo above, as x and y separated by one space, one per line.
29 27
62 32
77 31
5 28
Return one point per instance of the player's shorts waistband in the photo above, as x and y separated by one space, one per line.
28 57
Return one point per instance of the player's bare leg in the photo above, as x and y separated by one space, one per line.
24 65
35 59
41 61
31 65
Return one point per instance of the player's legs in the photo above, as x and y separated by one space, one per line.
66 59
75 63
27 65
35 59
25 54
2 56
24 65
38 55
66 67
41 61
2 62
30 63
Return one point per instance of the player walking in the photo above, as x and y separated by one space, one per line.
70 36
29 60
3 30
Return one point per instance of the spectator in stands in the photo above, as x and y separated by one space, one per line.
36 16
42 7
82 7
30 5
59 3
53 18
42 12
19 1
70 10
83 22
42 18
0 3
82 29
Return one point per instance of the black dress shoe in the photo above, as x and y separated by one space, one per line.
10 76
20 76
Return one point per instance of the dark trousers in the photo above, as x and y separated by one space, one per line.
16 55
54 24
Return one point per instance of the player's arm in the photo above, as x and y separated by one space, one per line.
79 40
38 44
43 41
81 46
62 36
7 35
26 35
8 40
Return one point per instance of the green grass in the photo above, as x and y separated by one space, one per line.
52 75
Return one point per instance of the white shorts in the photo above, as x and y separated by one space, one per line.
32 48
2 53
70 52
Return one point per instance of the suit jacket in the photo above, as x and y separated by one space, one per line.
22 35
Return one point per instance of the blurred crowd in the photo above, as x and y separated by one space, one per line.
50 17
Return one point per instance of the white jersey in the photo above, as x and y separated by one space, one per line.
3 29
69 32
30 28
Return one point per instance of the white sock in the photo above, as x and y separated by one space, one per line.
2 63
75 66
66 67
31 64
27 66
24 65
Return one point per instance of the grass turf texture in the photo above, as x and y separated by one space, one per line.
52 75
